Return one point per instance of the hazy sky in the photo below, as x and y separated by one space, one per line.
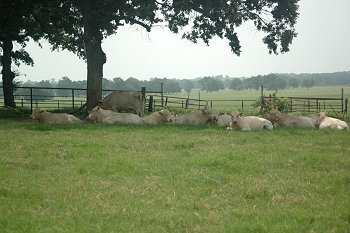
322 46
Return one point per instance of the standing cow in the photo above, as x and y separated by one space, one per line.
128 101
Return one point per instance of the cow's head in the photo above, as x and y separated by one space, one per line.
211 114
273 116
37 113
168 116
235 117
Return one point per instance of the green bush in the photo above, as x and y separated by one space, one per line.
267 104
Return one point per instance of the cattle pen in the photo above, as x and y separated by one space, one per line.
73 98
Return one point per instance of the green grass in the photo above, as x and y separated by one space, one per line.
168 178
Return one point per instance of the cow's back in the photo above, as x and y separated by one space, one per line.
128 101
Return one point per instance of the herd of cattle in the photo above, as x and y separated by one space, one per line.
128 108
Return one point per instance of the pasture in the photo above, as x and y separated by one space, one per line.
172 178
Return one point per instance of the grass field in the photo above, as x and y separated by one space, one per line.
170 178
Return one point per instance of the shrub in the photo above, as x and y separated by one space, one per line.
267 104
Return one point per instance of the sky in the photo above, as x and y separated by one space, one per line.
322 46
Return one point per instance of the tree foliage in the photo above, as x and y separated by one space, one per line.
94 20
18 24
81 25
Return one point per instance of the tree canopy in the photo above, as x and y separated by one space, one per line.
81 25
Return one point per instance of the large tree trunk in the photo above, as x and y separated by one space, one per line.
7 74
94 53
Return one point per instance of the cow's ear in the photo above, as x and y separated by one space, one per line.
240 114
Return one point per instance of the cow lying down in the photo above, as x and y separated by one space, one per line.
325 122
54 118
285 120
199 117
163 116
99 115
248 123
224 119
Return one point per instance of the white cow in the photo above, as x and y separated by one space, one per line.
284 120
325 122
248 123
99 115
54 118
163 116
224 119
199 117
124 101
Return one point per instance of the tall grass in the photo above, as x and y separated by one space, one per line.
125 178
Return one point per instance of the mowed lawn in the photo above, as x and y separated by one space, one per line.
112 178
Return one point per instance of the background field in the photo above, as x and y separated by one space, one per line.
112 178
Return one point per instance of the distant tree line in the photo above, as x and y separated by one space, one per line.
273 82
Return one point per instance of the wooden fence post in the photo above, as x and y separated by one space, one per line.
342 100
31 99
150 104
346 106
72 98
162 94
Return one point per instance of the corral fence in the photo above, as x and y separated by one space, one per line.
314 104
72 98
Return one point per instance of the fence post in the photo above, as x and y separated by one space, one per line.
187 103
199 99
166 101
291 104
342 100
73 98
346 106
211 104
143 100
162 94
22 102
31 99
150 104
261 97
